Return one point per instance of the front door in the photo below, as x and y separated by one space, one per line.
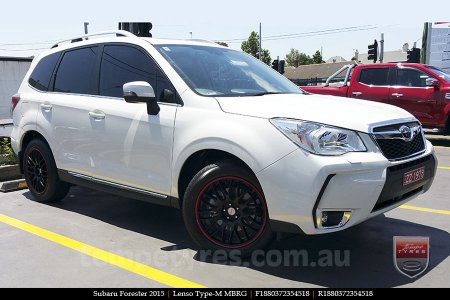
136 148
412 94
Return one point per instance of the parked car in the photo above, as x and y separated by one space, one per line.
236 146
422 90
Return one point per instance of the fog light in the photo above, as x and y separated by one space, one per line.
324 219
333 219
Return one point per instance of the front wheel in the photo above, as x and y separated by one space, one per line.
41 173
224 208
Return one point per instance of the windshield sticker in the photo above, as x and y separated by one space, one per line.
167 49
239 63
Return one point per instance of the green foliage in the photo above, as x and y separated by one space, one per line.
6 153
266 57
222 44
251 46
296 58
317 58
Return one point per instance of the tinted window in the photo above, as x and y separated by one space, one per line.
76 72
411 77
122 64
42 73
374 76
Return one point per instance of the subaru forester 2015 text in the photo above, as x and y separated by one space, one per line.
241 150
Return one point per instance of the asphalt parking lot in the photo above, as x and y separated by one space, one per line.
93 239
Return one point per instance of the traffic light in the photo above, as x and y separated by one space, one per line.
281 67
275 64
413 55
141 29
373 51
278 65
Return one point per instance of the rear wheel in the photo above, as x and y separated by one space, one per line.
447 127
224 208
41 173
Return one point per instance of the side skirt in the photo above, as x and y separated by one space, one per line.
117 189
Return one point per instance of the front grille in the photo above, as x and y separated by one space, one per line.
391 143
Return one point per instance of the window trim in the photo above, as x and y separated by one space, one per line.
53 80
410 87
389 77
178 100
52 75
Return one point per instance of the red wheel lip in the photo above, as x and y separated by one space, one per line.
25 172
260 195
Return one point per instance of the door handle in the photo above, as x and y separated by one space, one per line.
46 106
97 115
356 93
397 95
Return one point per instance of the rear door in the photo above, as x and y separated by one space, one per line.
371 84
65 111
411 93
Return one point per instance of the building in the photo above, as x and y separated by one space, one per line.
315 74
12 72
389 56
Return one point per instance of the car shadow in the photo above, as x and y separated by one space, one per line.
442 141
364 251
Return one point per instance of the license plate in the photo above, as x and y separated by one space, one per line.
413 176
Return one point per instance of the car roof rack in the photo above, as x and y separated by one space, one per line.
118 33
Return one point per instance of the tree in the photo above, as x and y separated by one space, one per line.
317 58
251 46
296 58
266 57
222 44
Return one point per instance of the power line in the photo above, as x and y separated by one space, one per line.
5 49
26 44
310 33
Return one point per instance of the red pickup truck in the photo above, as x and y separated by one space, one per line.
422 90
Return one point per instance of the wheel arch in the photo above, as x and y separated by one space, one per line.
199 159
26 139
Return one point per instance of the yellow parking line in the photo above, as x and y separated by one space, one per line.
430 210
441 147
108 257
443 168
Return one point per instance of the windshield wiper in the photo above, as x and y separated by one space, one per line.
267 93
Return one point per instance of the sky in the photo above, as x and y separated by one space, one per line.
336 27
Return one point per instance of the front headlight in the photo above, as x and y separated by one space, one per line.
319 138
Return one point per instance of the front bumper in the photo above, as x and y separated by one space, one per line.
299 187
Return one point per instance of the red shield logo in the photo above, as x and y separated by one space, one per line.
411 254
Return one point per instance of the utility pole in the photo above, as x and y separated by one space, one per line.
260 39
86 24
382 48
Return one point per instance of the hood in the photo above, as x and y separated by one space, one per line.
342 112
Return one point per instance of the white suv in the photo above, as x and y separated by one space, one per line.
241 150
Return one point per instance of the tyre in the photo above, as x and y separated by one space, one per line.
224 208
41 174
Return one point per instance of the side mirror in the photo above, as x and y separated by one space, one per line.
432 82
141 92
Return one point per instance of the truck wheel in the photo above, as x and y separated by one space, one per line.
224 208
447 127
41 174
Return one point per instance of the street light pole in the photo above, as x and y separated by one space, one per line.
260 39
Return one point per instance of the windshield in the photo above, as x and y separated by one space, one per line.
221 72
441 73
